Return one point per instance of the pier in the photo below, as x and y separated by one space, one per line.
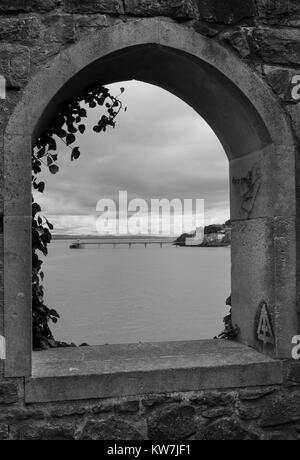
129 244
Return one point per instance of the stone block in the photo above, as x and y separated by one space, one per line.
58 28
226 11
285 282
14 65
179 9
214 399
278 46
280 8
262 184
110 429
252 274
17 273
240 40
172 424
50 431
8 393
280 80
255 394
154 402
224 429
281 410
23 30
93 6
294 113
4 433
17 176
248 412
27 6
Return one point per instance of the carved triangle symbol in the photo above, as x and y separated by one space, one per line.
264 331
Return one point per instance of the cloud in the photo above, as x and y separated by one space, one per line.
160 148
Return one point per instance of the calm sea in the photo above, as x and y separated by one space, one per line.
106 295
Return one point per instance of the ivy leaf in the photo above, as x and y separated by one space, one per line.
35 208
41 152
122 90
81 128
97 129
70 139
53 169
52 143
49 224
62 133
75 154
82 113
41 187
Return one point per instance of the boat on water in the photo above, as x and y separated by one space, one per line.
76 245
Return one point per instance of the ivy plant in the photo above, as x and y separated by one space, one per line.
69 123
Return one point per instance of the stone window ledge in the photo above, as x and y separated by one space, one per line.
127 370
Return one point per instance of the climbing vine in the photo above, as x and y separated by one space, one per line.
68 124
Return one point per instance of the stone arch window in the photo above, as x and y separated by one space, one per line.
248 121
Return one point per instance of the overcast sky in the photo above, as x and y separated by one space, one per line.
160 148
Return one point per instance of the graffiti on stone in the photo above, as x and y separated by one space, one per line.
264 329
250 185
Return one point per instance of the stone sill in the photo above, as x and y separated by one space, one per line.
127 370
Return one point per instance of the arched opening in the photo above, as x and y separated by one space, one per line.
147 290
246 119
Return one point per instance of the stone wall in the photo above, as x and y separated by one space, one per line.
266 35
262 413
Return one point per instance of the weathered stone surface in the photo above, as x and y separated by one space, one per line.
278 46
249 412
12 413
271 8
280 79
26 6
125 407
240 40
46 432
253 395
282 410
150 403
3 432
8 393
293 372
214 399
294 112
14 65
93 6
180 9
173 424
110 429
226 11
217 412
58 28
223 430
204 28
24 30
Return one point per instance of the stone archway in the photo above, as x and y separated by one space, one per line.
251 126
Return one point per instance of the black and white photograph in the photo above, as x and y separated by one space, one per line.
149 223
